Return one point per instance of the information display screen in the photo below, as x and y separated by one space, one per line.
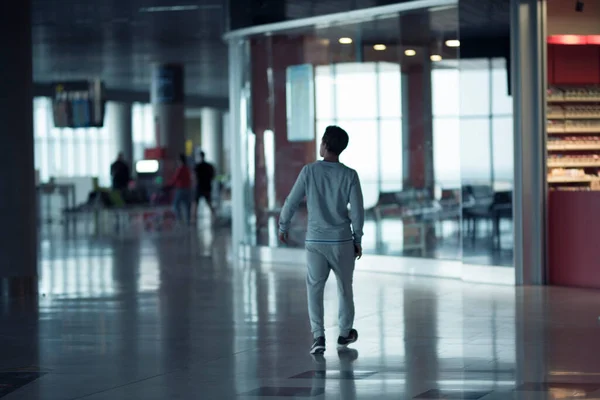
78 104
300 103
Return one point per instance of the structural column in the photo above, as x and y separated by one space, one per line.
212 136
528 55
270 58
417 140
18 236
122 128
238 63
168 108
418 129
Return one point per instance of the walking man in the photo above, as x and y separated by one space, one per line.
333 238
205 174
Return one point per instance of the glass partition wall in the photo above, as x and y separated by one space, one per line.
486 149
392 81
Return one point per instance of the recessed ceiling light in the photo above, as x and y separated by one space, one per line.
324 42
345 40
453 43
380 47
410 52
435 57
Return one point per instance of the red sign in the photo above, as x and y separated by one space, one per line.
574 39
156 153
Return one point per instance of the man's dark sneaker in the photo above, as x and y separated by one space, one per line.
318 346
343 342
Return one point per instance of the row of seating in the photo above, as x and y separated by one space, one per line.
471 203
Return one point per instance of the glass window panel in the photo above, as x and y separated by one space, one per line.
70 152
40 118
78 160
503 151
446 152
55 153
356 88
37 154
475 151
92 151
501 101
444 89
149 136
370 234
362 148
104 175
390 91
95 158
390 141
361 154
137 122
370 192
324 92
84 151
475 88
392 233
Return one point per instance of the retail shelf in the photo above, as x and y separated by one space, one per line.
575 147
572 179
578 117
573 132
588 164
589 100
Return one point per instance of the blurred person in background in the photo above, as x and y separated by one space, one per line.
182 183
120 174
205 174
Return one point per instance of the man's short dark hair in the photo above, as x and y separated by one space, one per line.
335 139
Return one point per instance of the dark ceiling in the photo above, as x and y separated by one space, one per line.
118 40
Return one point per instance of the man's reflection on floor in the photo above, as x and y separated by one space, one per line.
345 376
320 376
347 380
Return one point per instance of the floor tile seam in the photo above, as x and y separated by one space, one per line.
206 362
120 386
362 317
164 374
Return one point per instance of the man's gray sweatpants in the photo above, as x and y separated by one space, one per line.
321 258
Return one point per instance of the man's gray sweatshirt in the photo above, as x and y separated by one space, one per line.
329 187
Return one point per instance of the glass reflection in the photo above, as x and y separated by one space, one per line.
486 142
430 139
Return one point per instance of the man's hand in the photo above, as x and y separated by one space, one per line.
283 237
357 251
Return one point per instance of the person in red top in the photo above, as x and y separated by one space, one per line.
182 182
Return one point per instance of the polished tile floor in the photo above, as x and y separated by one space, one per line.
174 318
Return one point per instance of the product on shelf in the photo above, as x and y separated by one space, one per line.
582 111
582 125
589 93
571 188
555 126
573 142
573 160
555 93
556 112
567 172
